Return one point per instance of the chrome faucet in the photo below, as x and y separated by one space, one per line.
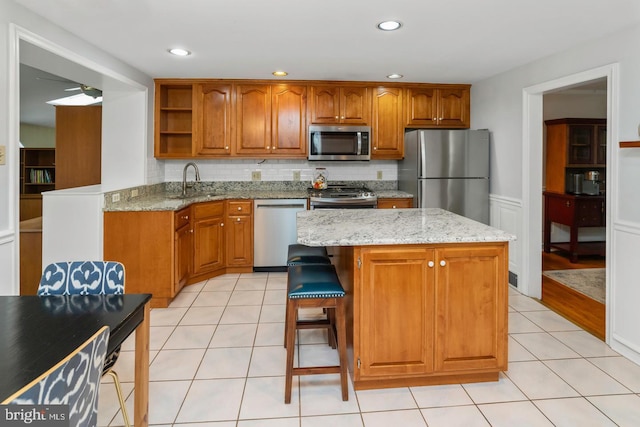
184 177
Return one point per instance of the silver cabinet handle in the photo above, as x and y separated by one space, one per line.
431 264
443 263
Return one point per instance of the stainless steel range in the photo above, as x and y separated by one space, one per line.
337 196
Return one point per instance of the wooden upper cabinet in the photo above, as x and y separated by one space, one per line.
572 146
253 119
213 111
340 104
173 119
228 118
289 119
386 126
438 107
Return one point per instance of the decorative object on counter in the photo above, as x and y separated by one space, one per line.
320 178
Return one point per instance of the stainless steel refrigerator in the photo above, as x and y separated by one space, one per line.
447 169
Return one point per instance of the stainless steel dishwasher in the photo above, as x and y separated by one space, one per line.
274 229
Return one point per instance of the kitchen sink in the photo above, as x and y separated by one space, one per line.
191 196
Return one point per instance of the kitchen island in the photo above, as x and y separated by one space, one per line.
427 293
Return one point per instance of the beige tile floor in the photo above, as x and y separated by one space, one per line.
217 359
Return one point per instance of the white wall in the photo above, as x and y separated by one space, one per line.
498 104
131 112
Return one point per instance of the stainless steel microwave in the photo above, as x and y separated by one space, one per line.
335 142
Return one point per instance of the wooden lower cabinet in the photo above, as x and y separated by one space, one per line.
208 237
163 251
239 234
395 203
153 246
427 314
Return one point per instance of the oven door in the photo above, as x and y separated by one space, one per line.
354 203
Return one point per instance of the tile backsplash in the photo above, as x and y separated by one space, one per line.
282 170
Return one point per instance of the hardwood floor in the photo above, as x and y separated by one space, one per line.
580 309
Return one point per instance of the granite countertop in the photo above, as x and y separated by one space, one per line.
172 201
393 194
358 227
166 196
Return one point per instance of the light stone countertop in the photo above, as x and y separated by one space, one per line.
393 194
359 227
171 201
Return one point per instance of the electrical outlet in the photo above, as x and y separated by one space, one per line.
379 175
134 192
115 197
3 155
296 175
256 176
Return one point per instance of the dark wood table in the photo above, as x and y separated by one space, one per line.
37 332
575 211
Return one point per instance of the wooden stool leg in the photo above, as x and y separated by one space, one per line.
341 331
331 331
290 328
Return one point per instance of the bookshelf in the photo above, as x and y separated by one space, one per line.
37 170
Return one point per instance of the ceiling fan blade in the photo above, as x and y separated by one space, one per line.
71 89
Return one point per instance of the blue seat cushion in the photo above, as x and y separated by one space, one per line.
308 259
304 250
314 281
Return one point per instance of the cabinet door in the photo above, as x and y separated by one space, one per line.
601 145
208 233
355 105
422 107
581 150
183 257
396 324
289 120
239 241
214 113
387 128
471 307
325 104
453 107
253 119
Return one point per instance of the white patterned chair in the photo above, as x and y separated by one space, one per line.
74 381
88 278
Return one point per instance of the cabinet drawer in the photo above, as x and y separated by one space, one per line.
181 218
204 210
561 210
395 203
239 207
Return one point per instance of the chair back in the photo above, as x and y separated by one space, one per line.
82 278
74 381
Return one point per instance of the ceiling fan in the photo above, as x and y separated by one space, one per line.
87 90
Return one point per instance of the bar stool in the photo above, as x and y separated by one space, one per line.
303 254
315 285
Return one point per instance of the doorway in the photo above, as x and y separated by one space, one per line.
574 163
123 153
533 135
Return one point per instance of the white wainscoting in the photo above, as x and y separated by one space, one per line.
506 214
623 296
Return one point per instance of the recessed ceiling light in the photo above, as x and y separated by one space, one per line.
389 25
395 76
179 52
280 73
